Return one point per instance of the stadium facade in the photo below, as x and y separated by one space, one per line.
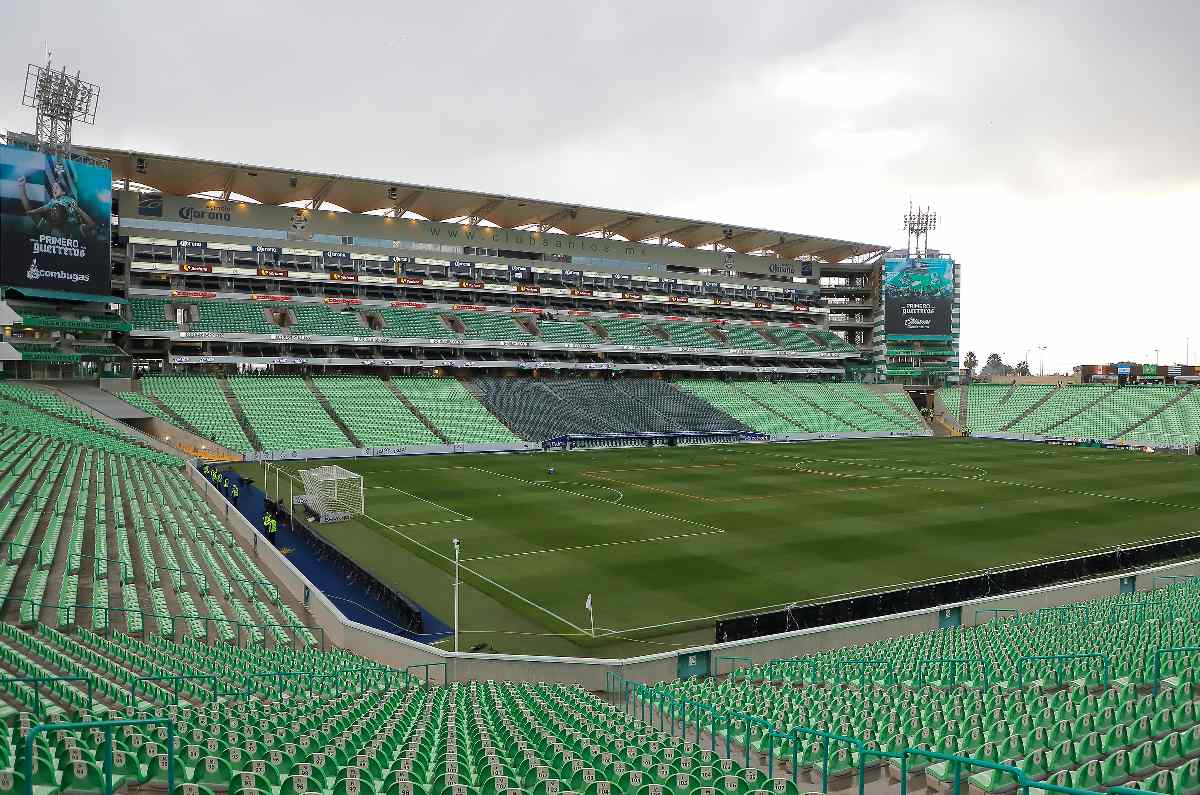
408 276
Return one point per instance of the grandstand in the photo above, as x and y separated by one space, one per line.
256 649
1157 415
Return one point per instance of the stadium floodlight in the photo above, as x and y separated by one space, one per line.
60 100
918 223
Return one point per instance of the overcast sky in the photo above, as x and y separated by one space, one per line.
1059 142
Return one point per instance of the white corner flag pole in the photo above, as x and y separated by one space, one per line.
591 616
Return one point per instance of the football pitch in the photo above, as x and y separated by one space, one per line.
669 540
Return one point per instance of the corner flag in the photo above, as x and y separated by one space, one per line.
591 617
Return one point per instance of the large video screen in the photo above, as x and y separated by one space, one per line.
918 296
55 222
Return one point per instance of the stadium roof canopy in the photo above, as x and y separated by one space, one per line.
181 176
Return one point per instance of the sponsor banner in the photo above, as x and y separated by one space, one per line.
762 305
528 288
191 244
411 280
408 305
918 295
55 222
674 317
578 312
581 292
269 297
275 251
342 301
193 294
343 277
469 307
273 273
631 296
721 302
679 299
188 267
528 310
628 315
466 285
336 256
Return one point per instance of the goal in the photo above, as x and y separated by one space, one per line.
334 494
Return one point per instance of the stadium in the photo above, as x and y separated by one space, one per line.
318 483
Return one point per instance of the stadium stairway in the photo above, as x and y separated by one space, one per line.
1182 395
477 391
337 419
238 414
1032 408
403 398
1086 404
743 391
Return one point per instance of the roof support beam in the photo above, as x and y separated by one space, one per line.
615 228
403 204
476 215
319 197
227 188
544 224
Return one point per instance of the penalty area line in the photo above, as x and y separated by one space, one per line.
481 577
598 545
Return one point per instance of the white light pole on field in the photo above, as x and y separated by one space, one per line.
456 583
1041 359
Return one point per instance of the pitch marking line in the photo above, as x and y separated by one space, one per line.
469 570
626 506
620 494
998 482
652 539
430 502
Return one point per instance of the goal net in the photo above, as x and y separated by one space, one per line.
334 494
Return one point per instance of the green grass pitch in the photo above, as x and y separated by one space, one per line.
668 540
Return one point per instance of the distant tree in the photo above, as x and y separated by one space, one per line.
1022 368
995 366
971 362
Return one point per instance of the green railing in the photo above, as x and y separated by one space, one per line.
1059 659
953 663
1158 658
733 664
177 681
859 750
171 617
427 666
996 612
107 726
37 690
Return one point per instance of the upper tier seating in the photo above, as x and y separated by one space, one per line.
493 326
234 317
746 338
625 331
832 341
691 335
415 323
199 401
794 339
322 320
285 414
373 413
566 331
149 314
454 411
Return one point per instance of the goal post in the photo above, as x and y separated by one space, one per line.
333 493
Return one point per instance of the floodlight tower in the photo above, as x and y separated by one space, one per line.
918 223
60 100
